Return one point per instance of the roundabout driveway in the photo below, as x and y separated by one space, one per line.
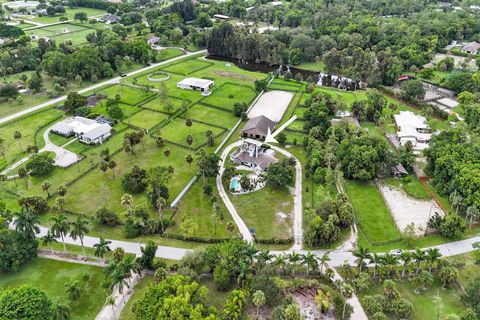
63 157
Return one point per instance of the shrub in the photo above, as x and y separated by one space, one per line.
221 277
107 217
40 165
134 181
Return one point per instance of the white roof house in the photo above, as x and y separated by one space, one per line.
196 84
221 16
413 128
86 130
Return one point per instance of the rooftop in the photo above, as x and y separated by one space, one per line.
195 82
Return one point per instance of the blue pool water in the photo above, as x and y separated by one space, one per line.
234 184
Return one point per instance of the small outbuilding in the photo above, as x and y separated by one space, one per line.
196 84
471 47
258 128
399 171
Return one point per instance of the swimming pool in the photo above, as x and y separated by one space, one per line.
234 184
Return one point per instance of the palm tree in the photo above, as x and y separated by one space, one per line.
79 230
112 165
473 213
280 261
166 152
60 228
432 257
230 228
189 159
48 240
244 270
61 311
118 280
264 257
45 186
390 261
310 260
61 191
17 135
72 288
161 204
376 260
189 140
128 265
294 258
102 248
258 300
188 123
127 201
361 254
111 302
406 257
324 259
60 202
419 256
26 224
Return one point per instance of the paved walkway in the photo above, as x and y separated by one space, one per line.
63 157
358 311
59 255
96 86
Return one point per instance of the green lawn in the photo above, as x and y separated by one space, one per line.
287 85
146 119
227 95
435 303
168 54
198 206
260 211
69 13
211 115
411 186
372 213
177 131
140 288
159 105
126 109
51 276
187 67
313 66
128 95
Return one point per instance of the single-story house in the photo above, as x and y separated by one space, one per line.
253 154
412 128
42 12
221 17
86 130
152 42
110 19
405 77
471 47
258 128
196 84
399 171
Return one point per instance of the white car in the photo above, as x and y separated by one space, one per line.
396 252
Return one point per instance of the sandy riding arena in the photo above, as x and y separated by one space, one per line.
405 209
272 105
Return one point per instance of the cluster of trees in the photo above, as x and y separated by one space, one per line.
280 174
324 224
420 267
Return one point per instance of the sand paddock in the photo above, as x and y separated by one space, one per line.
272 105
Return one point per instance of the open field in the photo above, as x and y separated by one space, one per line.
69 13
372 213
187 67
268 221
159 105
210 115
314 66
128 95
227 95
51 276
146 119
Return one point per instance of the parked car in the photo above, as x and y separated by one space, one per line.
396 252
123 75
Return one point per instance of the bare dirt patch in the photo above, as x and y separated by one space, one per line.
233 75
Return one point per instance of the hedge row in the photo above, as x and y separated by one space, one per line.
274 241
193 239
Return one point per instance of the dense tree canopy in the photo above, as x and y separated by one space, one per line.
25 303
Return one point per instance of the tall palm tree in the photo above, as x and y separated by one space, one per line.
102 248
406 257
390 261
119 280
61 311
79 230
361 254
126 201
17 135
264 257
324 259
60 228
310 260
280 261
432 257
72 288
26 224
294 258
419 256
48 240
128 264
45 187
376 260
161 204
250 252
61 191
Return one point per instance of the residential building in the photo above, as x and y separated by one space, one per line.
254 154
152 42
196 84
110 19
471 47
221 17
86 130
258 128
412 128
399 171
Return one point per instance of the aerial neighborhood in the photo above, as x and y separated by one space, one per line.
239 159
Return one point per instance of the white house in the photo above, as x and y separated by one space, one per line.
252 154
412 128
86 130
196 84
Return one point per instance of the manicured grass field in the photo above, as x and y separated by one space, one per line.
198 206
126 109
372 213
260 211
435 303
187 67
286 85
177 131
227 95
211 115
159 105
51 276
314 66
128 95
146 119
168 54
69 13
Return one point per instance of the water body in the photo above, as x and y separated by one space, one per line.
322 79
